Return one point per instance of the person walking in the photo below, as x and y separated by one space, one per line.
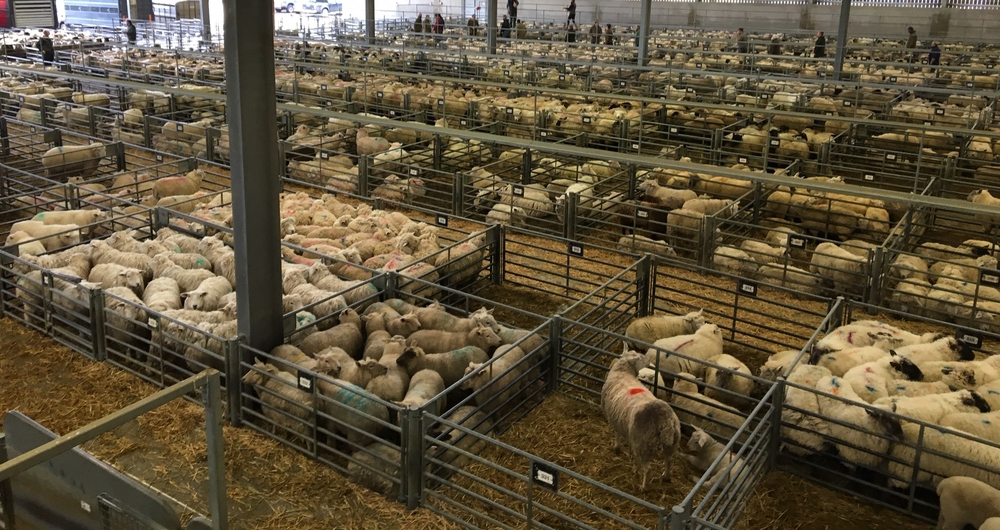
911 43
130 32
741 41
572 12
46 48
819 49
473 26
505 28
512 9
609 36
934 57
595 33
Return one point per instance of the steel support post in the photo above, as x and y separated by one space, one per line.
645 9
845 18
369 22
254 163
491 26
206 22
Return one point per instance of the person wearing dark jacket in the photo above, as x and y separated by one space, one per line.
418 25
609 36
934 57
512 8
775 47
911 43
819 50
438 24
571 33
46 48
595 33
505 28
572 12
130 31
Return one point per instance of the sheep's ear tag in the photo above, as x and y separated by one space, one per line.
306 381
746 287
989 277
969 341
441 220
575 248
544 475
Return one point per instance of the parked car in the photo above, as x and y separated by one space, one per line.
321 7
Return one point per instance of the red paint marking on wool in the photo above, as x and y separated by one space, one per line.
634 391
850 337
681 345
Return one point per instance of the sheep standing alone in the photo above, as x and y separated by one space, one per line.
65 161
648 424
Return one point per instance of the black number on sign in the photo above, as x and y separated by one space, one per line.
689 90
989 277
306 381
322 87
673 130
544 476
635 146
847 103
519 191
463 122
32 129
180 127
392 113
414 172
765 96
575 249
621 84
829 113
822 74
543 134
324 156
797 242
775 142
506 73
697 65
970 84
440 102
562 78
746 287
378 94
969 339
742 160
441 220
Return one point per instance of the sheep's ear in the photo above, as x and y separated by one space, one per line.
184 295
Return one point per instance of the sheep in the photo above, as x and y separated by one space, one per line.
438 319
655 327
861 435
526 340
187 279
870 380
966 501
361 372
451 364
351 411
789 277
24 243
909 267
993 523
669 198
404 325
842 270
69 160
840 361
638 243
699 410
707 450
804 429
777 364
501 377
932 408
394 384
984 197
446 455
870 333
712 206
82 218
648 424
113 275
906 388
965 374
283 404
126 319
703 344
762 253
425 385
731 379
734 261
347 336
182 185
376 466
977 424
208 295
434 341
223 258
944 453
910 296
377 336
53 237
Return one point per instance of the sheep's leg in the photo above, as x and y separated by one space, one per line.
666 468
645 475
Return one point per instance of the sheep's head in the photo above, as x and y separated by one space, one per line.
196 300
409 355
486 334
410 321
699 440
350 316
686 385
131 278
961 377
304 319
631 362
711 330
70 238
373 367
694 320
327 363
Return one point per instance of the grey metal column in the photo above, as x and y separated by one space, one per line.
370 21
646 7
491 26
845 18
254 163
206 22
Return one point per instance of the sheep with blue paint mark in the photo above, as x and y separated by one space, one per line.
354 413
870 333
862 435
932 408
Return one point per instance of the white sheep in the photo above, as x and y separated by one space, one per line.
862 435
840 361
703 344
162 294
353 412
208 296
734 261
871 380
370 467
730 380
361 372
114 275
454 442
699 410
222 257
803 429
943 453
104 253
966 501
789 277
980 425
843 271
706 450
648 424
125 321
53 237
394 384
434 341
288 408
909 267
652 328
347 335
932 408
870 333
451 364
777 364
82 218
498 381
906 388
24 244
425 385
762 252
965 374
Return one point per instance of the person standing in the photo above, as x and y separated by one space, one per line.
130 32
512 9
741 41
934 57
46 48
522 30
595 33
775 47
571 33
418 25
819 49
911 42
572 12
473 26
505 28
427 25
609 36
438 24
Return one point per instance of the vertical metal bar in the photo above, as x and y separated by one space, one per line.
495 237
212 397
838 59
491 26
254 168
4 137
572 203
6 492
120 161
363 166
369 22
413 430
458 195
98 344
91 121
778 400
642 282
555 346
206 23
234 378
679 517
645 10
